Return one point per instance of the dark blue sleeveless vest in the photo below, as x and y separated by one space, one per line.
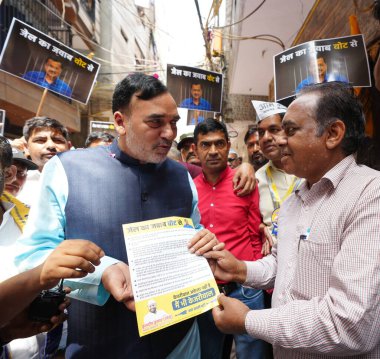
107 188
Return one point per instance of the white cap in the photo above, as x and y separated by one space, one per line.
266 109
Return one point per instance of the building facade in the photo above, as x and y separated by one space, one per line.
118 34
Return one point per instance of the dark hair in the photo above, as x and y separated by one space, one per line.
336 100
314 57
320 55
251 130
98 136
5 153
43 122
144 86
196 83
209 125
55 59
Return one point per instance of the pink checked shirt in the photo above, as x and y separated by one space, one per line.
325 269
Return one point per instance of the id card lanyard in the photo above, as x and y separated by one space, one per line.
276 199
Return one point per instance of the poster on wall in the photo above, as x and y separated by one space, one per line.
341 59
40 59
195 89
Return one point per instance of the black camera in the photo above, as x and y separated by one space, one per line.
46 305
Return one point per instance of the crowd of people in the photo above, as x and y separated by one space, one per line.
291 236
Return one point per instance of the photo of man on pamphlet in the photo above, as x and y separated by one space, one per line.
153 314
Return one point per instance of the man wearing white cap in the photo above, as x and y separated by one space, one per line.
234 160
275 185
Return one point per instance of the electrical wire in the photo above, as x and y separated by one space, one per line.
83 36
150 25
263 37
244 18
126 65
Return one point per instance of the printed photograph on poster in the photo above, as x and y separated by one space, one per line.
339 59
195 89
38 58
197 116
2 122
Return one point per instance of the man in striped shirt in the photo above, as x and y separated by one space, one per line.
325 268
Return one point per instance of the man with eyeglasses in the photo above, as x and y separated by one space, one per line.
187 153
325 269
234 160
13 216
235 221
23 165
275 185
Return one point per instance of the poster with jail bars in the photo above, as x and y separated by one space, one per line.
40 59
341 59
195 89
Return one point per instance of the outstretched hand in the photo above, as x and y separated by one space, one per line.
71 259
226 267
117 280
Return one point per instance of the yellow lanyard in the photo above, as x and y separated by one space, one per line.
276 199
20 210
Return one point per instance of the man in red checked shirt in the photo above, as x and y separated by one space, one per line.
235 221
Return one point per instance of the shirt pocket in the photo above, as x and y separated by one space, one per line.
313 268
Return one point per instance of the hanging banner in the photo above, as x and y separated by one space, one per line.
195 89
38 58
339 59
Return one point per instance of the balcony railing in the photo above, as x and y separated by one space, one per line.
41 14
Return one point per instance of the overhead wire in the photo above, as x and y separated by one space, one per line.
261 37
157 65
264 37
150 25
244 18
83 36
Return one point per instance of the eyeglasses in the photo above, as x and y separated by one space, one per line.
231 160
21 173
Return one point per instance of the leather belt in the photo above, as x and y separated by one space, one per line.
227 288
